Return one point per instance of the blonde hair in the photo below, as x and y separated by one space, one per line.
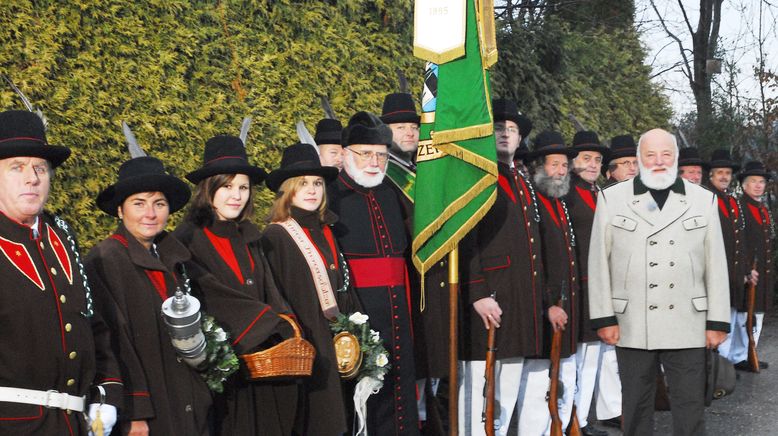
281 209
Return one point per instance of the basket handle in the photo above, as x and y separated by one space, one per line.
295 327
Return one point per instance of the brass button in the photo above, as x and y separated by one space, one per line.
672 307
672 286
534 273
53 271
651 307
68 327
249 282
672 242
672 263
442 284
188 408
71 382
652 286
72 355
651 242
63 299
534 256
532 240
652 264
41 244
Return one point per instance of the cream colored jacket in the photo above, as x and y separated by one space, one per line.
660 274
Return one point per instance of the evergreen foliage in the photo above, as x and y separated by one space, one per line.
182 71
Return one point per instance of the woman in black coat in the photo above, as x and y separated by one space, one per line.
301 207
223 241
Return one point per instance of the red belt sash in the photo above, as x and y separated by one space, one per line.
375 272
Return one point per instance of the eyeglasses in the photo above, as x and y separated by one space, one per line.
629 163
502 129
367 156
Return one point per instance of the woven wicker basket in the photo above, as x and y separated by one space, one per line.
291 358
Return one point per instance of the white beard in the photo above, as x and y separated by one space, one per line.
360 176
658 181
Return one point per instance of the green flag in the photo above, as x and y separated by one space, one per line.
456 168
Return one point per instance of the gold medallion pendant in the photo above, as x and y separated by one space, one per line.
348 354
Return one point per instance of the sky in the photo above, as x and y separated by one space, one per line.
738 43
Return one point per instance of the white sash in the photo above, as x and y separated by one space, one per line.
321 280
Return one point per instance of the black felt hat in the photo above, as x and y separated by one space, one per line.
586 140
399 108
22 134
690 156
550 142
754 168
143 174
299 160
328 131
504 109
721 158
623 146
225 154
366 128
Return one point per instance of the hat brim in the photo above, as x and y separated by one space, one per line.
630 152
327 138
766 174
695 162
55 154
724 164
525 125
176 191
540 153
255 174
603 150
277 177
401 117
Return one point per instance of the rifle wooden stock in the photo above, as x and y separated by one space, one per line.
753 358
574 429
553 394
490 382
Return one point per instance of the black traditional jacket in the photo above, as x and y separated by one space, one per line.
502 256
760 241
48 342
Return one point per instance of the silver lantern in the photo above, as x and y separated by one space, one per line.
181 314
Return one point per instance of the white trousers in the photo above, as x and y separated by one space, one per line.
520 383
587 365
608 403
735 347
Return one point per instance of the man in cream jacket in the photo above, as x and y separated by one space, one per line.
658 285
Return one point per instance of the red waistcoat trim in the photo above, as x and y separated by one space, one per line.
756 212
158 280
723 207
19 257
61 253
224 248
549 208
506 186
587 197
330 241
735 208
122 240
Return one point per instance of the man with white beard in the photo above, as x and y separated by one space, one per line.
373 238
658 285
549 163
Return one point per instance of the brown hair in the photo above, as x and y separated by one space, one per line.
282 206
201 207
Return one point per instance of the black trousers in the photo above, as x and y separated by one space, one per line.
685 372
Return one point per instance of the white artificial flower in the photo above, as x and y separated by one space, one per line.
374 335
381 360
221 336
358 318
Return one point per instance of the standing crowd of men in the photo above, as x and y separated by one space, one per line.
650 268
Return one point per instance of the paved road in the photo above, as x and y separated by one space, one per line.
751 410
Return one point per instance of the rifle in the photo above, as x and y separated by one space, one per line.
574 428
490 382
753 358
553 395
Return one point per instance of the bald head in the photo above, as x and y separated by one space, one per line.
658 158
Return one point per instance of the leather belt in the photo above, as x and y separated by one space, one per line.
49 399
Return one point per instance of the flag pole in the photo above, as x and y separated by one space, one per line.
453 391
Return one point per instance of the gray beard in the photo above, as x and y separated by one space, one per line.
658 181
359 176
550 187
